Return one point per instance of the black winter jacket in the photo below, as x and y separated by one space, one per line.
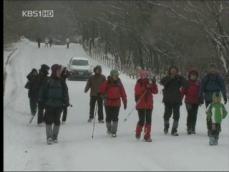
172 86
54 93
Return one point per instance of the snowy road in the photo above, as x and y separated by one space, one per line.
25 146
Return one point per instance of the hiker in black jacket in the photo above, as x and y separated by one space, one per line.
172 98
31 85
41 80
54 95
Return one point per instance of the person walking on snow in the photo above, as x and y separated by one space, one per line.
41 80
67 42
54 95
46 42
112 91
172 98
39 42
31 85
50 42
191 94
216 112
211 82
93 84
144 90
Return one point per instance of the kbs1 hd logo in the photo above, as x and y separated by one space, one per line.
38 13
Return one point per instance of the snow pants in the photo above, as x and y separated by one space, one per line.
172 109
145 116
112 114
112 118
99 101
192 110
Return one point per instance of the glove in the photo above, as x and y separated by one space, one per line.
125 105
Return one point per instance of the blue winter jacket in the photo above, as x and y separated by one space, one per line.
212 83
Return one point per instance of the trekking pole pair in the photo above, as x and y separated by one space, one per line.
125 119
93 130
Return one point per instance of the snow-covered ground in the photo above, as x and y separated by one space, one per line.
25 145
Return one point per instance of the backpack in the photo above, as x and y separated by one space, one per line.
215 81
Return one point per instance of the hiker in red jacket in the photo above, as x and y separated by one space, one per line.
113 91
144 90
191 94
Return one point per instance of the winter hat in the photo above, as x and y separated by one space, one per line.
114 73
55 68
44 68
193 72
34 70
144 74
98 67
172 67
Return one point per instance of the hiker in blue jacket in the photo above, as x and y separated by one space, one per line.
212 82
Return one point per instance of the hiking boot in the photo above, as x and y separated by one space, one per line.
49 141
138 131
166 127
90 120
174 128
147 139
166 130
114 127
189 131
114 135
211 141
55 132
193 131
138 136
174 132
108 124
101 121
55 140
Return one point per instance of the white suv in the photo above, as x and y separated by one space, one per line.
79 68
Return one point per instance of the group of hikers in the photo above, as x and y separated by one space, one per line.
51 95
49 42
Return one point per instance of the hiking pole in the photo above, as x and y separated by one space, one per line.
125 119
96 107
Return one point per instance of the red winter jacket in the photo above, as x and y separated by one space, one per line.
191 93
144 95
113 91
